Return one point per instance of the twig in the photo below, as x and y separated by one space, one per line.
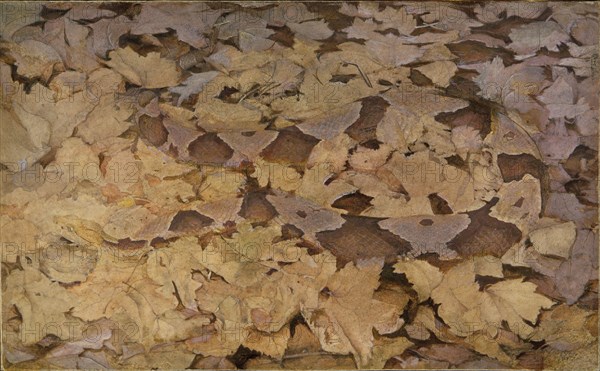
300 355
254 90
428 25
177 296
362 74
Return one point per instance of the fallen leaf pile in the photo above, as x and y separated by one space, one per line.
267 185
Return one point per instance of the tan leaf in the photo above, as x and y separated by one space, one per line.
554 238
43 304
346 313
424 276
439 72
35 59
150 71
564 328
533 36
513 301
172 268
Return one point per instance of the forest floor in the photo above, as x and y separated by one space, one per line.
299 185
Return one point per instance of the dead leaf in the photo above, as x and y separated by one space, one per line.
439 73
536 35
424 276
150 71
512 300
340 322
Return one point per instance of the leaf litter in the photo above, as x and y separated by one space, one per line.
299 186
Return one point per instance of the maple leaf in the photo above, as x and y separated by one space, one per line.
132 299
107 119
150 71
447 17
384 349
511 300
361 29
265 305
582 56
249 168
497 11
423 174
250 32
346 313
388 18
272 345
466 139
511 86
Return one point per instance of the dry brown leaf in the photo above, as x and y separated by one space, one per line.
315 30
536 35
150 71
554 238
439 73
342 320
35 59
197 20
41 303
248 185
512 300
565 328
423 276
